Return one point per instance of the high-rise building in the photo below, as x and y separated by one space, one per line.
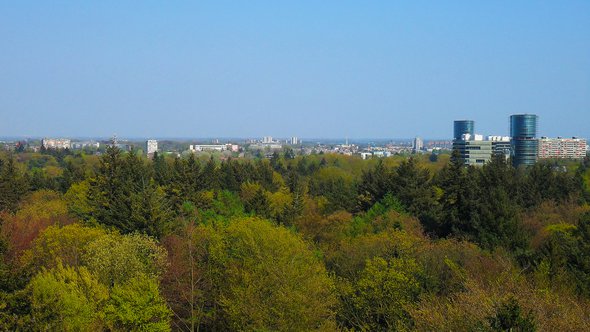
418 144
562 148
267 139
294 140
151 146
524 143
462 127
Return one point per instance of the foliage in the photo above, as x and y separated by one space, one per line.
115 259
13 185
66 299
317 242
137 305
66 245
253 276
509 317
377 300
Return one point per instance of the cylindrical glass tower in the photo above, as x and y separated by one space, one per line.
463 127
525 146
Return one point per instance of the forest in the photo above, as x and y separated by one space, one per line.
120 242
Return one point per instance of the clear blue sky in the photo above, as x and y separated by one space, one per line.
330 69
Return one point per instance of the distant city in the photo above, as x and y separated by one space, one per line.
523 146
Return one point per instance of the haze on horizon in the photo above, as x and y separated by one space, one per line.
305 68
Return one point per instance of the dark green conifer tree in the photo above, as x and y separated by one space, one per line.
13 185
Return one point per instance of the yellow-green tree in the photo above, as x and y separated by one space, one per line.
66 299
252 275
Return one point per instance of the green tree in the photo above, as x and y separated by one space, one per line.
509 317
110 192
377 300
258 204
374 185
271 280
411 185
498 222
459 200
65 245
336 185
250 275
115 259
161 169
77 201
210 175
66 299
13 185
137 305
150 212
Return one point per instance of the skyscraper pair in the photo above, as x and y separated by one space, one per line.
523 132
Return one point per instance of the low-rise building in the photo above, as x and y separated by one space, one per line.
207 147
473 149
500 145
56 143
214 147
85 144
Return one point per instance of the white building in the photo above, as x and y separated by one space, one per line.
499 138
562 148
501 145
85 144
151 146
208 147
56 143
294 140
418 144
366 155
267 140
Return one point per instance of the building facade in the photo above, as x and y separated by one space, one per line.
85 144
418 145
462 127
524 143
474 152
500 145
562 148
151 146
56 143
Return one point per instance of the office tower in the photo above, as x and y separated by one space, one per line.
523 132
462 127
151 146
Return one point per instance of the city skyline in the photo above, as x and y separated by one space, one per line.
329 70
473 130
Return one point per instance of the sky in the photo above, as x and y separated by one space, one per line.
322 69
